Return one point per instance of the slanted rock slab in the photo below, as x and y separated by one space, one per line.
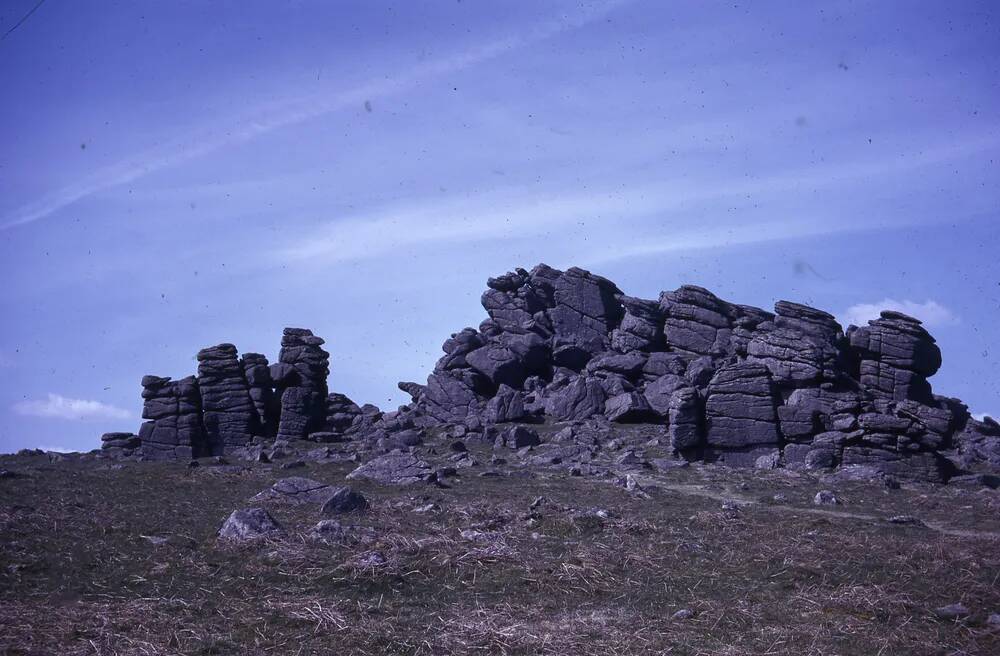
395 469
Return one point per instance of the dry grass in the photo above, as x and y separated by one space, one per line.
486 573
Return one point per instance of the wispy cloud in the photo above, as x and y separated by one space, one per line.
931 313
609 216
55 449
267 118
60 407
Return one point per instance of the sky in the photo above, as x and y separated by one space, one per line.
175 175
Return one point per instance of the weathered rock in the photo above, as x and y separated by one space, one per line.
344 500
296 490
659 392
686 429
303 403
581 398
628 407
261 387
697 321
395 469
415 390
506 406
585 309
896 356
518 437
451 396
740 409
125 441
341 413
928 467
174 429
641 328
228 412
826 498
250 524
800 347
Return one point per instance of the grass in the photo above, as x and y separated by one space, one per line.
84 568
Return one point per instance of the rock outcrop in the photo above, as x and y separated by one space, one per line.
236 404
728 382
714 380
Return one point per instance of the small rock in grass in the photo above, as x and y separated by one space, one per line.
430 507
344 500
683 614
294 464
952 612
994 620
826 498
250 524
904 519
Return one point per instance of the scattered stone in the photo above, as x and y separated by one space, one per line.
250 524
952 612
826 498
344 500
683 614
426 508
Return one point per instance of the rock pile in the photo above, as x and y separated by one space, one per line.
716 381
729 383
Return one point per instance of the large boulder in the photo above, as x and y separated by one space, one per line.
586 308
174 427
800 347
228 412
740 408
258 376
451 396
580 398
896 355
517 301
697 322
506 406
641 328
303 403
395 469
686 426
341 412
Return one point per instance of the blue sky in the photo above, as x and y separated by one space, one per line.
175 175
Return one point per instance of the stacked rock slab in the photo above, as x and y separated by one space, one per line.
237 401
228 412
304 367
172 408
729 382
261 387
896 355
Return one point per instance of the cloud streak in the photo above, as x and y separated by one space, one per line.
930 312
267 118
626 220
61 407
